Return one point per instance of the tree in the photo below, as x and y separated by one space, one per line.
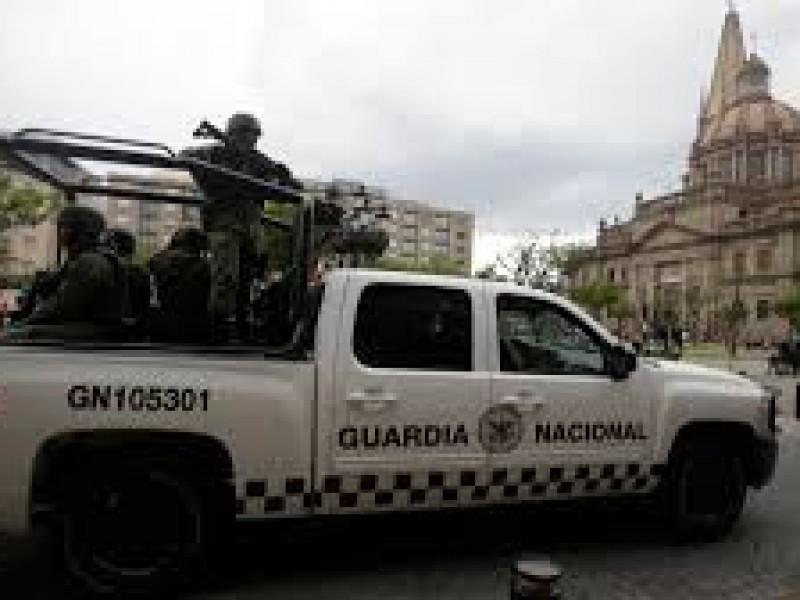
22 204
434 264
788 307
536 262
490 273
599 297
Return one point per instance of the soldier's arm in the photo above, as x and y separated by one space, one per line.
285 177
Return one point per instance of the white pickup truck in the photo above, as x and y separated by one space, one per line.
414 392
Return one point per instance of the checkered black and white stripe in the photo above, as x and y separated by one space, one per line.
436 489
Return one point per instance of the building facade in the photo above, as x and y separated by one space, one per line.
731 234
416 231
153 223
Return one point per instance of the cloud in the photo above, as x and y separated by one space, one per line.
540 114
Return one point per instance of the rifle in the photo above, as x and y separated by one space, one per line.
207 131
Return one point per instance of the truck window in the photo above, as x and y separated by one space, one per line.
414 327
540 338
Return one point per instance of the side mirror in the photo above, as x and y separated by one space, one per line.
620 362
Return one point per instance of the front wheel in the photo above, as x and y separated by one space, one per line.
704 491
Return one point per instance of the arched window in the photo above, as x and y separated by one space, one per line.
756 164
775 164
787 165
741 172
726 167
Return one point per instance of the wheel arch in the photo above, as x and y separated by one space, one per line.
740 436
60 453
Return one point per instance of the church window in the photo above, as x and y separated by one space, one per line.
787 165
739 264
740 170
611 275
762 309
774 163
702 173
764 260
726 167
756 164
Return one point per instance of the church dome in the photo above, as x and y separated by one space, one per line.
751 110
753 115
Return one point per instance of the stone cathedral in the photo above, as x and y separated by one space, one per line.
732 230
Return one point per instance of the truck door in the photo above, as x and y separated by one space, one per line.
580 430
410 385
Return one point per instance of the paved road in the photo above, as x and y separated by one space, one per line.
610 552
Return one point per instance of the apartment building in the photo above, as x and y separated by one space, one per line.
417 231
153 223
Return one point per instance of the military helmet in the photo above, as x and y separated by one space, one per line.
243 122
85 222
190 238
120 241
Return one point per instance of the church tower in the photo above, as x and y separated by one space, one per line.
731 56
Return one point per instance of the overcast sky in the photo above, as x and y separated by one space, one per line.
534 114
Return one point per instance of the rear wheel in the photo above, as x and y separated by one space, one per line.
132 529
705 490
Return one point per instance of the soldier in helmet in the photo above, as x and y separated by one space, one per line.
137 280
86 297
233 224
182 277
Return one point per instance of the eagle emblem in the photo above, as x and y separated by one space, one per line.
500 429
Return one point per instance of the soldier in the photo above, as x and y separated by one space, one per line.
137 306
182 277
85 300
233 224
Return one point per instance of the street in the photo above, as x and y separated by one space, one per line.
613 551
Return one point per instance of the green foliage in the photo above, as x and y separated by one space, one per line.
599 296
24 204
535 263
490 273
788 307
435 264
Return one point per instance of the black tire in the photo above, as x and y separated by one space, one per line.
704 491
132 528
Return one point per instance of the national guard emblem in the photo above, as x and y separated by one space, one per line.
500 429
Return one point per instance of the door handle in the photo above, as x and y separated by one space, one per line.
370 400
525 398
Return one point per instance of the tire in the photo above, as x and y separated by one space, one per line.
128 528
705 491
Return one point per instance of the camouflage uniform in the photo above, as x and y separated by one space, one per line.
122 244
182 278
233 223
85 300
